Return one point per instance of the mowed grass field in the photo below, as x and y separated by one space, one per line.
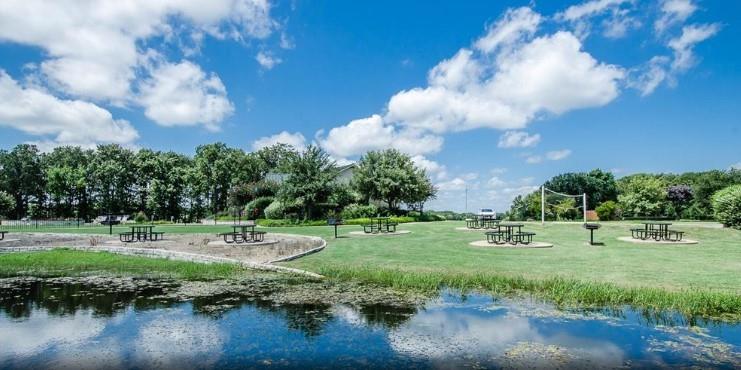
712 265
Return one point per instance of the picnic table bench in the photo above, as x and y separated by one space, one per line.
141 233
505 233
481 223
380 224
656 230
243 234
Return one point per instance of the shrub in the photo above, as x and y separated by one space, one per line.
6 203
607 211
359 211
275 210
141 217
256 208
727 206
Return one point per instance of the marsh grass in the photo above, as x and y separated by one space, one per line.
560 291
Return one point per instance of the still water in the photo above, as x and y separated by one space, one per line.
73 325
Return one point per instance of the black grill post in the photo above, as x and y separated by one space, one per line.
334 222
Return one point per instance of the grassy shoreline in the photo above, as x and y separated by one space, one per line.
70 263
561 292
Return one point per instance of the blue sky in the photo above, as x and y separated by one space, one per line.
493 97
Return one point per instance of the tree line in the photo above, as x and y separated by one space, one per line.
677 196
72 182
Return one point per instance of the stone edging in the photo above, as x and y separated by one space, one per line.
167 254
299 255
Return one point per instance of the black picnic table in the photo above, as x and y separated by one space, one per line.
141 233
382 222
662 227
243 234
509 229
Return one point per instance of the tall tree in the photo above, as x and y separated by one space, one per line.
23 177
310 181
213 162
113 175
392 177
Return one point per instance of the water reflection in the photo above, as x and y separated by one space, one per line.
123 326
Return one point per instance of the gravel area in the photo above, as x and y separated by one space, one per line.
280 246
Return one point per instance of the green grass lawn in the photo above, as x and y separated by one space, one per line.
60 262
701 279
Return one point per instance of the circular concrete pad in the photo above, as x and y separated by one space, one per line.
222 243
484 243
479 230
651 241
398 232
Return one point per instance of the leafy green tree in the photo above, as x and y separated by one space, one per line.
113 178
607 211
23 177
310 181
67 181
277 157
643 196
7 204
727 206
600 186
215 166
392 177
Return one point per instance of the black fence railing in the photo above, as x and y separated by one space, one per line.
41 224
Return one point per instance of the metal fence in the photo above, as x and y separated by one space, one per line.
45 224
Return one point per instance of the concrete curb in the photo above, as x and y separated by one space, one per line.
299 255
172 255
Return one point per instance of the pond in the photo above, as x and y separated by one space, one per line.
71 323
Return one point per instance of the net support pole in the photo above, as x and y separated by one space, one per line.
584 206
542 204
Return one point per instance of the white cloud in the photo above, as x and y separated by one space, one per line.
661 69
58 121
512 27
372 133
533 159
518 139
548 74
435 169
674 12
651 75
588 9
683 45
736 166
296 140
92 47
495 182
286 42
615 25
183 95
452 185
267 60
558 155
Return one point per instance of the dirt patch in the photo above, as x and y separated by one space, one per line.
276 246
